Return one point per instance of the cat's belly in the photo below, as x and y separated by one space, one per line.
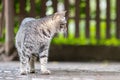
35 48
31 48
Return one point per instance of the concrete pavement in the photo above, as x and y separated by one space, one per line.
64 71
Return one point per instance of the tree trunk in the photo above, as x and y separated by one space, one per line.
2 19
43 8
22 13
9 23
32 10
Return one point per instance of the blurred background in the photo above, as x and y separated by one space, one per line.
93 28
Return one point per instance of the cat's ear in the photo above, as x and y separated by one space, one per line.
59 14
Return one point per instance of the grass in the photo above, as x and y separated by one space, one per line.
84 41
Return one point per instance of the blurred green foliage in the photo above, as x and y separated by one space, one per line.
82 40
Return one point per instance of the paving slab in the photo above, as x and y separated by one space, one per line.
64 71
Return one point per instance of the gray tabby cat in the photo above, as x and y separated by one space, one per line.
33 39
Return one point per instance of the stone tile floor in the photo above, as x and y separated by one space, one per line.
64 71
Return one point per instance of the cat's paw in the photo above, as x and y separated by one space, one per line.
23 72
45 72
32 71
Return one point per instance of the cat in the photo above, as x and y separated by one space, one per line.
33 39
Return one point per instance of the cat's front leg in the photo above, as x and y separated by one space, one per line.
44 69
43 63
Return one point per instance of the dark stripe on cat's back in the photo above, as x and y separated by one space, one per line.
49 31
44 33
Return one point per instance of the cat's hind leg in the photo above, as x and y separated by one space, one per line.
24 63
24 66
32 64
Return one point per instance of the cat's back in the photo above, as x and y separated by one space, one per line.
27 20
23 29
24 25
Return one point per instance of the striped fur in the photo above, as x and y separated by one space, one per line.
34 37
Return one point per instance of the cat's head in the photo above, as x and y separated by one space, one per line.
61 21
